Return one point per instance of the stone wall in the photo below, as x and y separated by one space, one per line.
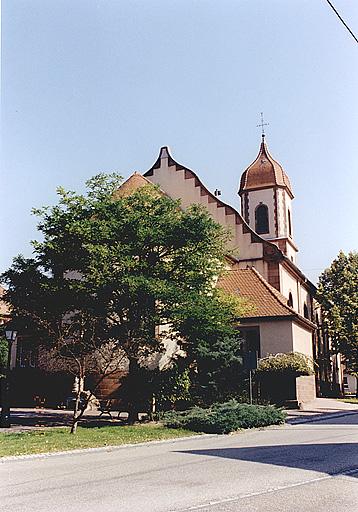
305 388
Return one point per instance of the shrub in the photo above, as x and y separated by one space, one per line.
4 349
292 363
224 418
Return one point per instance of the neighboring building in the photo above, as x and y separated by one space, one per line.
4 310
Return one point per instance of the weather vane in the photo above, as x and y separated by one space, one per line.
262 125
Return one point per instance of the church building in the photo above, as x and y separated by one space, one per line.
262 258
261 268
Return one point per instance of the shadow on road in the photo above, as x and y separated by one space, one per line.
326 458
335 418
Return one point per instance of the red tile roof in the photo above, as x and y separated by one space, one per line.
249 284
133 183
4 308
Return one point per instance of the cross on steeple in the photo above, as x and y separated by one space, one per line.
262 124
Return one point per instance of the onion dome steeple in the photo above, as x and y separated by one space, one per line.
264 172
266 197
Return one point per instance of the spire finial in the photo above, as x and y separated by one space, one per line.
262 125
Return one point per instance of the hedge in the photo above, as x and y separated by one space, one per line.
292 363
224 418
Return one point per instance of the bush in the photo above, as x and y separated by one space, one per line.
4 349
224 418
292 363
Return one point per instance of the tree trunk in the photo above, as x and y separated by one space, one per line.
77 411
357 386
133 391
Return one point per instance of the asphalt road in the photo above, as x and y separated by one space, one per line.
309 467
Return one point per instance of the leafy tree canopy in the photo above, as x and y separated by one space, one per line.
338 296
134 270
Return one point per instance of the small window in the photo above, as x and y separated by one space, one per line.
261 219
305 311
290 300
289 223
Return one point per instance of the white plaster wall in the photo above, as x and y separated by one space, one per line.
291 253
290 284
173 183
276 337
266 197
281 213
302 340
288 205
260 265
305 298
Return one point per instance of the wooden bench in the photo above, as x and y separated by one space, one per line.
105 406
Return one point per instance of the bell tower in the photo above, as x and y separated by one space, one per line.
266 201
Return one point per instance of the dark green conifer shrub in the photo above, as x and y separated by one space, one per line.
224 418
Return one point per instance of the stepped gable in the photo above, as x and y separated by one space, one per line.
271 249
264 172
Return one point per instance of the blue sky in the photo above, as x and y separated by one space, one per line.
91 86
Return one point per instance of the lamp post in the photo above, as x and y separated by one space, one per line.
5 399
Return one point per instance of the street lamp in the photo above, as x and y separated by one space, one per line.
5 401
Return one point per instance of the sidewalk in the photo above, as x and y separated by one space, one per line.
320 409
23 419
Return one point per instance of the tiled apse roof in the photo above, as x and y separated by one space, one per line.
133 183
249 284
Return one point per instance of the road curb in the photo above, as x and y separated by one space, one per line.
109 448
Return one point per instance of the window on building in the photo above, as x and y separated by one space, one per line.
306 313
289 223
261 219
290 300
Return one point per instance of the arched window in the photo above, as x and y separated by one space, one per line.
261 219
305 311
290 300
289 223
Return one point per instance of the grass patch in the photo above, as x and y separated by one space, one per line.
59 439
349 400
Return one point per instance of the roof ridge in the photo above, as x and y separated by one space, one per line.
276 293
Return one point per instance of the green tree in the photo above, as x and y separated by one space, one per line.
215 346
134 271
4 349
338 296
